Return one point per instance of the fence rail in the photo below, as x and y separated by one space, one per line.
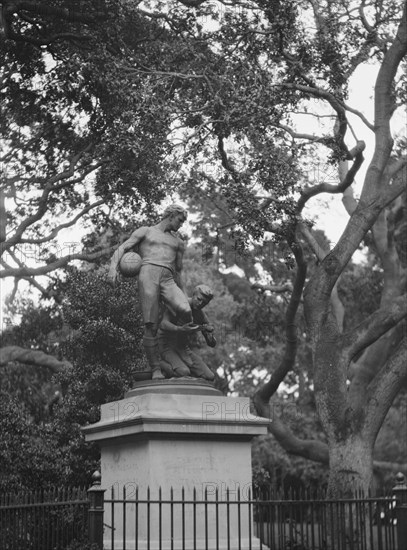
354 524
175 522
207 520
44 520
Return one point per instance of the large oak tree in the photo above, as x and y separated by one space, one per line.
196 85
248 73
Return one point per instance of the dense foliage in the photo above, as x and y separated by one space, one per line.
42 413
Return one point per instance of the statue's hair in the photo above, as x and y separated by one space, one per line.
171 209
205 290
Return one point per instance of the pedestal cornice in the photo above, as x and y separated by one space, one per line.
183 408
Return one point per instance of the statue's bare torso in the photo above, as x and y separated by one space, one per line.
158 247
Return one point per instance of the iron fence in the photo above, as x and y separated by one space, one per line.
127 518
320 524
235 521
50 519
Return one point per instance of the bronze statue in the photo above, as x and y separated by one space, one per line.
174 338
161 251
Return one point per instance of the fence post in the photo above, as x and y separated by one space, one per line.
96 505
400 494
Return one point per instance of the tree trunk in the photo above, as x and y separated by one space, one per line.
351 467
350 472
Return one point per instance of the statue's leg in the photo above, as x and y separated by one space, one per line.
186 356
199 368
166 369
149 293
151 348
175 297
178 366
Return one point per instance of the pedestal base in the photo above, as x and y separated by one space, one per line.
178 452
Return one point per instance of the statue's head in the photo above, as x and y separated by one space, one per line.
174 216
201 296
174 209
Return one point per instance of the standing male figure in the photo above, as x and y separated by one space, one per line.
160 276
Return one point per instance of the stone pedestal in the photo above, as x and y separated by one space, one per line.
183 443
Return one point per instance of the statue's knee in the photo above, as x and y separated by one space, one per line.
182 370
210 376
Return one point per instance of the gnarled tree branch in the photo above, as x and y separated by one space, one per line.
263 395
321 253
286 287
227 165
357 154
56 183
27 11
23 272
71 222
383 389
377 324
9 354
